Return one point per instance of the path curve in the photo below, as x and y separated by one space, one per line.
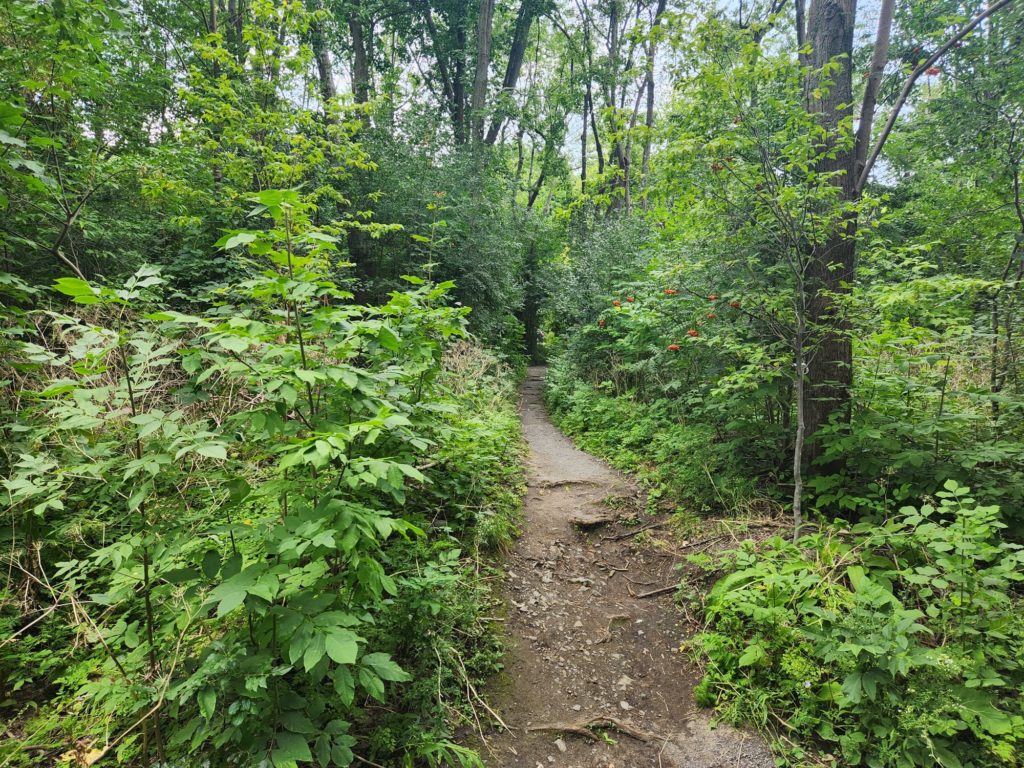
582 646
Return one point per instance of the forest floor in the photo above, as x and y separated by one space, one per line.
594 675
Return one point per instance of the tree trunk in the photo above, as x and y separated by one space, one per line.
649 84
516 55
357 240
459 82
531 305
483 64
360 61
325 72
830 270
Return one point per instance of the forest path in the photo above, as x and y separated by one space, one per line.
582 645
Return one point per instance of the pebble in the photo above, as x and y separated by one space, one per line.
561 745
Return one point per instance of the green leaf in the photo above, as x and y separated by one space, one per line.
344 685
752 655
212 451
237 239
387 339
80 290
385 668
211 563
371 683
291 749
314 651
297 722
342 647
207 702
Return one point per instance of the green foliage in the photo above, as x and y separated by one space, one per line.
681 460
245 497
891 644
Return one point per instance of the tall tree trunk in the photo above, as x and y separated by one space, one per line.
484 23
879 58
358 243
516 55
830 270
459 81
583 150
360 60
531 304
324 69
801 29
649 85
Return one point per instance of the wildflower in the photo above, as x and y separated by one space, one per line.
673 347
734 304
692 333
671 291
630 299
247 521
616 303
712 315
712 297
807 683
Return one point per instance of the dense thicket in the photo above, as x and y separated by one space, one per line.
253 448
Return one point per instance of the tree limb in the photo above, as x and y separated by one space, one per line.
901 100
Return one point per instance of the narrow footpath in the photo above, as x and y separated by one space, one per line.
594 677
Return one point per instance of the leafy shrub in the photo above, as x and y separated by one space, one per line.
897 644
225 533
682 461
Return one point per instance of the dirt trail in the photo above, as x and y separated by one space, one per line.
582 646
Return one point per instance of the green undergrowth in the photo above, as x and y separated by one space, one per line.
685 464
254 535
895 643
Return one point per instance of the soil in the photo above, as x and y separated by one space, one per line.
594 674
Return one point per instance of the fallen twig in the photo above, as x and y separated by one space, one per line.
641 529
601 721
659 591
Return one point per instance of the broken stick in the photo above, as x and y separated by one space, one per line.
660 591
601 721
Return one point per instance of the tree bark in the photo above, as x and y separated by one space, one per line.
484 25
830 269
531 304
360 60
459 81
879 58
516 55
324 69
649 83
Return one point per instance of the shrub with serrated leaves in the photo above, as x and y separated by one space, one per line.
897 644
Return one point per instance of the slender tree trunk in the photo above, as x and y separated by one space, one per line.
360 59
517 53
483 65
531 305
801 29
324 69
459 81
583 150
879 58
801 426
358 243
649 84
